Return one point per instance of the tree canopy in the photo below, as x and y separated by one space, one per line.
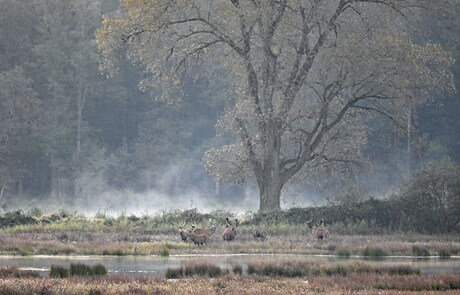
305 75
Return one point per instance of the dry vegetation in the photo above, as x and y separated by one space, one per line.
41 241
72 234
131 235
360 284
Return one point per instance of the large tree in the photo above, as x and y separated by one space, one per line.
305 74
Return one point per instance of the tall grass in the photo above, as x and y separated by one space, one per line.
126 285
200 269
77 269
293 269
73 234
420 251
372 252
15 272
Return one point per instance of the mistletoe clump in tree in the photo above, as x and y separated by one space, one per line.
305 74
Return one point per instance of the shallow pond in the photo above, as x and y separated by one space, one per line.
155 265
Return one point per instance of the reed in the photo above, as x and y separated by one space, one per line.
292 269
237 269
353 283
77 269
420 251
174 273
14 272
59 272
203 269
444 253
343 252
372 252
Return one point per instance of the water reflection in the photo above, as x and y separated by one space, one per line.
155 265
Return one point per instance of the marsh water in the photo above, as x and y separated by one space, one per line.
156 265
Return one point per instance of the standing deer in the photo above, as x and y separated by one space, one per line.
197 239
230 230
319 231
184 233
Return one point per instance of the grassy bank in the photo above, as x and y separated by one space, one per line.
64 233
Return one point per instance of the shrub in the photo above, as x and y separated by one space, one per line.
174 273
430 199
203 269
116 252
164 252
237 269
444 253
80 269
342 252
305 268
374 252
16 218
283 269
98 270
59 272
420 251
14 272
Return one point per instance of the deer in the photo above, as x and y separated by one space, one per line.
257 234
319 231
197 239
230 230
184 233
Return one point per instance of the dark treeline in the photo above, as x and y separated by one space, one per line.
69 131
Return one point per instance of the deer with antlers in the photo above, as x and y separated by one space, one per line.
197 239
230 230
319 231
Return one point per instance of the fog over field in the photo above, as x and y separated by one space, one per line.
155 202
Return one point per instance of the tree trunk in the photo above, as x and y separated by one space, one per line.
268 179
270 193
80 105
409 146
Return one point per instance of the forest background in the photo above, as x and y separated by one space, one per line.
71 138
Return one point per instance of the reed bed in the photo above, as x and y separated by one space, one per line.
356 283
306 268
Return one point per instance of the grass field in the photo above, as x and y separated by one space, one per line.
73 234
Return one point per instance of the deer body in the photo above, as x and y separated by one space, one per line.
184 234
197 239
205 231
